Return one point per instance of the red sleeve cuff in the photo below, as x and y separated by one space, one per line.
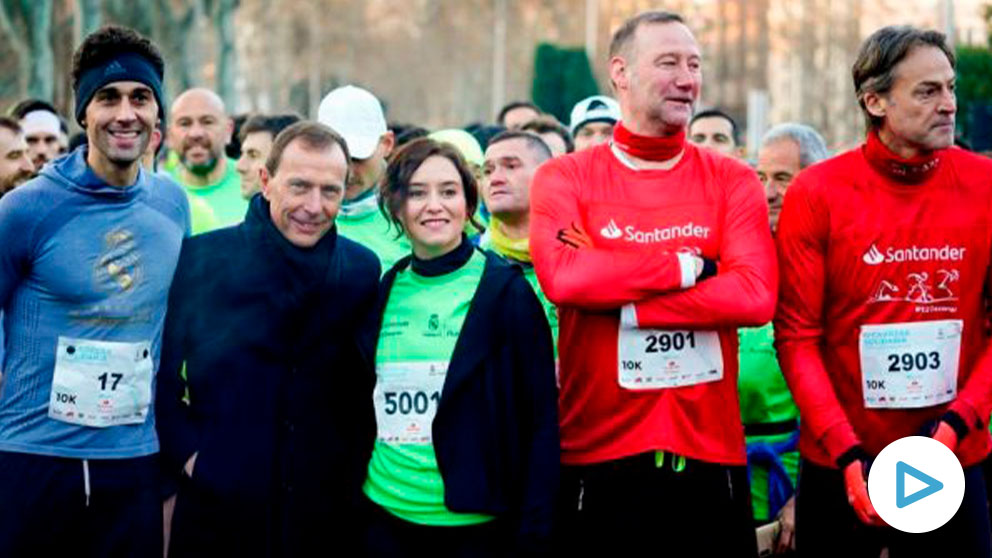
967 413
839 439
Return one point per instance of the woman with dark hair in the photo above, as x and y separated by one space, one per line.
466 454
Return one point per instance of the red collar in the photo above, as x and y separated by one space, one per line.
648 148
911 171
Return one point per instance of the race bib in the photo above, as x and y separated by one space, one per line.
656 358
101 383
406 398
910 365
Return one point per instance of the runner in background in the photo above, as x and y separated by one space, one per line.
771 420
257 135
199 129
357 115
592 121
512 158
716 130
885 260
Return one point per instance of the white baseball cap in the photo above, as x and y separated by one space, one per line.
357 115
598 108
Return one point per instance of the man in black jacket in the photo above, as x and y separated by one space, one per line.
264 397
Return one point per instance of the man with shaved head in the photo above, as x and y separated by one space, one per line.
199 128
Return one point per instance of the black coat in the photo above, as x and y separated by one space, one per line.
280 395
495 433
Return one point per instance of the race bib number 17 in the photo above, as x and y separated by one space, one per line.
101 383
655 358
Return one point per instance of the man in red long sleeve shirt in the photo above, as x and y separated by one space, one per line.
885 259
655 252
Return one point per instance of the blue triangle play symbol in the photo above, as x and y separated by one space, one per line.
903 469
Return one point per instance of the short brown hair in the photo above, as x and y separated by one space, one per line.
623 36
404 163
314 135
548 125
874 68
533 141
271 124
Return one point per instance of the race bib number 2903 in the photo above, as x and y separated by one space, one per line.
655 358
910 365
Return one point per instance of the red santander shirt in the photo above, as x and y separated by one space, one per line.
860 246
632 225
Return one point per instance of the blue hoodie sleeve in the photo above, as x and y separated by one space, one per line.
18 216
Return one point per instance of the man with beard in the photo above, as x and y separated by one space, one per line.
357 115
15 166
43 129
199 129
88 253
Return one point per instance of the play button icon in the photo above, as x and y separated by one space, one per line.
911 470
903 469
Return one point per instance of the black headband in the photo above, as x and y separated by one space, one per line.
126 67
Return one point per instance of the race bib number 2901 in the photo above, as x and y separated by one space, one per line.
101 383
655 358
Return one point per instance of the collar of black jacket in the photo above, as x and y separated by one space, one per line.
445 264
310 262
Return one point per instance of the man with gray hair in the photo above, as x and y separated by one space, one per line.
785 150
770 417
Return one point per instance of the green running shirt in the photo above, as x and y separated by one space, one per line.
223 196
765 398
420 326
373 231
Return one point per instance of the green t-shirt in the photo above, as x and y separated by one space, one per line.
223 196
765 398
367 226
202 218
420 326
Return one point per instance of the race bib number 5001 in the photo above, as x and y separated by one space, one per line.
910 365
655 358
101 383
406 397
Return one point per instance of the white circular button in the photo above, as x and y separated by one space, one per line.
916 484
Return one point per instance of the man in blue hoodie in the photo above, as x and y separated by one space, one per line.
88 253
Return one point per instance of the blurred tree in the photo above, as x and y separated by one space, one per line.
89 16
562 77
974 92
222 13
27 24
